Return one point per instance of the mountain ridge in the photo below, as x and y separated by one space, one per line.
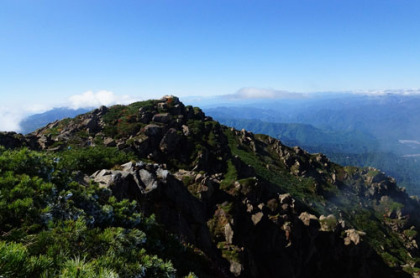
254 206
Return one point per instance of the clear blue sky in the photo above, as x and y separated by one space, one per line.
50 50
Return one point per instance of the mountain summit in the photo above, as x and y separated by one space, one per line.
243 204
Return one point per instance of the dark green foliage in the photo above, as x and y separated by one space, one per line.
301 189
90 159
52 226
230 176
121 121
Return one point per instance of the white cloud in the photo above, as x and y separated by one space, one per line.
403 92
259 93
11 116
90 99
9 119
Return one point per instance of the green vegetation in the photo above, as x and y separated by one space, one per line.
406 170
52 226
301 188
122 121
355 148
90 159
230 176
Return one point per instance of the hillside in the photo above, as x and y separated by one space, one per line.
386 118
158 189
36 121
350 148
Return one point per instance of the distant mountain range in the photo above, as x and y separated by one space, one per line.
352 129
388 118
36 121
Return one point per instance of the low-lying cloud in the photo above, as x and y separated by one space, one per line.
92 99
9 119
260 93
11 116
403 92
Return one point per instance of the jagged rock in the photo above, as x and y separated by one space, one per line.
286 201
153 130
287 228
121 145
101 110
162 106
162 118
81 178
298 150
11 140
91 125
63 136
144 116
45 141
328 223
170 99
103 177
170 141
199 177
148 180
162 173
272 204
236 268
178 109
229 233
109 142
256 217
207 188
133 166
354 236
185 130
307 218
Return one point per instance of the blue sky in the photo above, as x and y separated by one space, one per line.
52 50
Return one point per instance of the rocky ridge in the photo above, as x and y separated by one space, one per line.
257 208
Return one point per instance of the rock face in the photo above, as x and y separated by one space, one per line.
270 239
13 140
254 206
161 193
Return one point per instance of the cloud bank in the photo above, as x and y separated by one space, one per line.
9 119
403 92
259 93
11 116
91 99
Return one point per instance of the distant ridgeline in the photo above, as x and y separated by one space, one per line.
350 129
159 189
36 121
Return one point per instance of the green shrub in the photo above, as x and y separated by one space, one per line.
90 159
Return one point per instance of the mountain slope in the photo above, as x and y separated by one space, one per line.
36 121
248 205
388 118
346 148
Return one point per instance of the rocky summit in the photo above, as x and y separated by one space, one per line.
244 203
